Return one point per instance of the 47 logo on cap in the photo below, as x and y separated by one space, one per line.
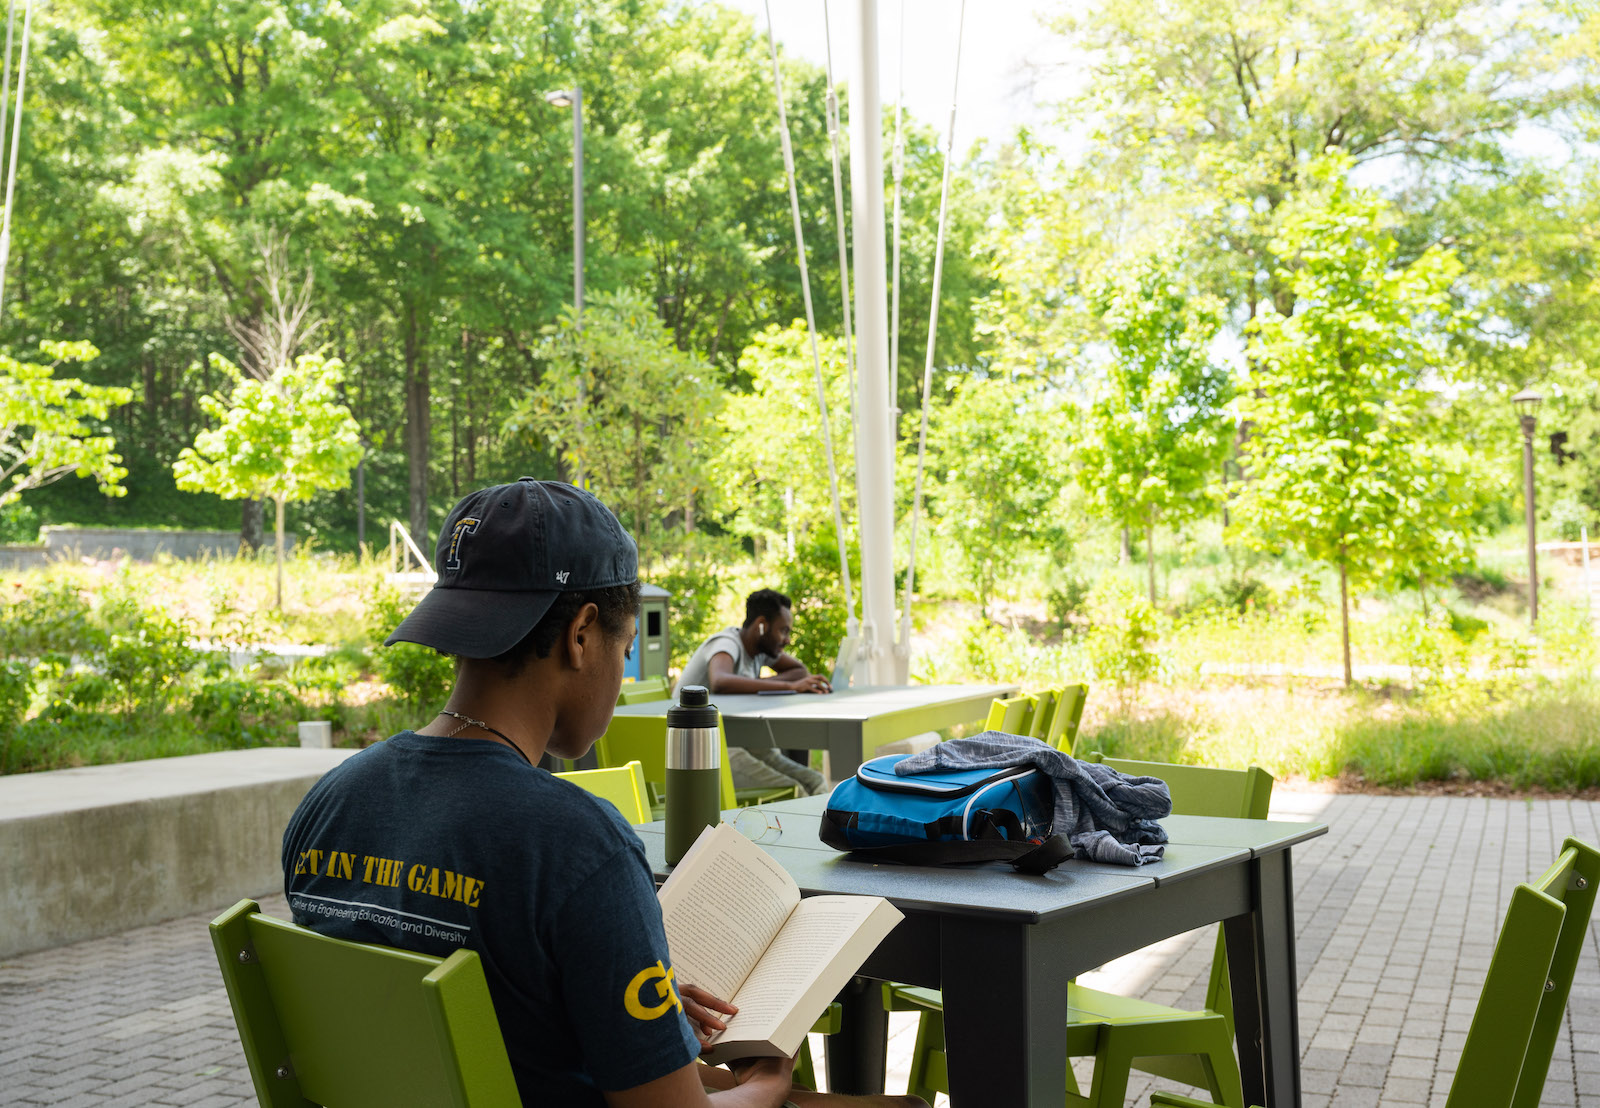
562 575
661 975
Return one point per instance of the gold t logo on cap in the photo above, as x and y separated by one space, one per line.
466 525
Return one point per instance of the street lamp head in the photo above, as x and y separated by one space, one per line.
561 98
1527 404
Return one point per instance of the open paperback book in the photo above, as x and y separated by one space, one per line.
738 928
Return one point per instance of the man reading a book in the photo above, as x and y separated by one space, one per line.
731 661
449 836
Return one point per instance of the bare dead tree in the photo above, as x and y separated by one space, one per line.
278 324
269 339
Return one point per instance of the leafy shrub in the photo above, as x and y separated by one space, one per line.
50 618
238 711
692 608
1481 582
16 693
1124 633
1068 601
19 523
1568 634
77 693
147 651
1244 593
419 675
327 676
811 580
1570 516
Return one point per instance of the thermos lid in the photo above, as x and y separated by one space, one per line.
693 709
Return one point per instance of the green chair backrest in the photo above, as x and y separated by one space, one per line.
1207 791
347 1025
622 785
1063 730
1204 790
644 690
643 739
1507 1053
1010 714
1045 702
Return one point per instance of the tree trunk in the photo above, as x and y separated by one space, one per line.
467 356
1225 520
1344 618
279 502
361 504
252 525
1126 554
640 516
418 427
1150 554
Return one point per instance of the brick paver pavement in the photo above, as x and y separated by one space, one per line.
1397 911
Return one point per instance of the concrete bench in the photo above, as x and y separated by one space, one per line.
93 851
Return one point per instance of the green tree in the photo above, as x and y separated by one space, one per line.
1156 433
282 439
1204 117
637 415
997 464
1346 455
772 469
51 426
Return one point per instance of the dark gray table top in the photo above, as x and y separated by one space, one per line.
993 890
859 703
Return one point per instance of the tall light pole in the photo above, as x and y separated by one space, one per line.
1527 404
573 98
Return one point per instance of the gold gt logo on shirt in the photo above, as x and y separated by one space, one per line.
661 974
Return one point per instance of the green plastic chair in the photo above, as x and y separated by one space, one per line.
1125 1033
1063 730
1011 714
643 691
624 786
347 1025
1044 711
643 739
1506 1057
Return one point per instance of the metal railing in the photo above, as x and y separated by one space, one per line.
402 551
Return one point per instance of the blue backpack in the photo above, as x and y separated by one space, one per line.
946 816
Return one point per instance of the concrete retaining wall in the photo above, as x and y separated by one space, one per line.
93 851
140 544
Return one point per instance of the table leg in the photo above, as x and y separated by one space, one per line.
1005 1013
858 1055
844 749
1262 973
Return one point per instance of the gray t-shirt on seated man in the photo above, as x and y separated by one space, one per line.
752 769
697 670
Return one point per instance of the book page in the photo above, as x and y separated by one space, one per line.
823 944
722 906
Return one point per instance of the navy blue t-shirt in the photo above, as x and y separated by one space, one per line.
432 844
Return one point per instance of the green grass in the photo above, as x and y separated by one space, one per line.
1477 698
1538 734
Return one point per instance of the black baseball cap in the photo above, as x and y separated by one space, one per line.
505 554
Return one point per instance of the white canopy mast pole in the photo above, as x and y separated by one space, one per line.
875 460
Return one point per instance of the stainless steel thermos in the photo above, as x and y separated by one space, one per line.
694 769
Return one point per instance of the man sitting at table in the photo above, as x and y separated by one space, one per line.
731 661
449 836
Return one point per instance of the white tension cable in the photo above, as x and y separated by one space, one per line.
811 332
16 130
933 330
